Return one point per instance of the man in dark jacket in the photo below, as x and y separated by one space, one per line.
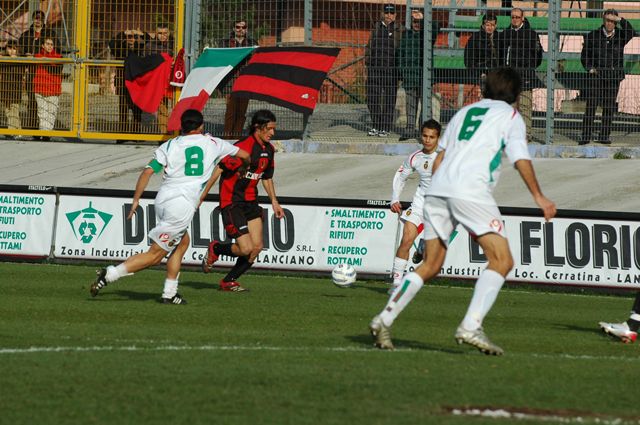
382 76
521 50
236 112
603 58
409 60
482 52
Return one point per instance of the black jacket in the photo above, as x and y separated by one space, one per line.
521 50
606 54
479 57
381 48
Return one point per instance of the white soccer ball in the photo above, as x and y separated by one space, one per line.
343 275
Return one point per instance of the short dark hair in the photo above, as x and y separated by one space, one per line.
489 16
191 119
610 12
261 118
38 13
433 125
503 84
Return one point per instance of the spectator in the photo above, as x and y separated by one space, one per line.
163 43
481 54
11 75
30 43
128 41
382 76
235 114
409 60
521 50
603 58
47 84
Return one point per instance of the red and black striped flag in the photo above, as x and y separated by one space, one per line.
147 79
286 76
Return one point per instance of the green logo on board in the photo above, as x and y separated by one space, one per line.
88 223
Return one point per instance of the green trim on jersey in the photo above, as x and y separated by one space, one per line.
155 166
496 161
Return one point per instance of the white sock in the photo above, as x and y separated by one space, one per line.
116 272
170 288
484 295
399 265
635 316
401 297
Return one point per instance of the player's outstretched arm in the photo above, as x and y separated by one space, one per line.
215 175
141 185
525 168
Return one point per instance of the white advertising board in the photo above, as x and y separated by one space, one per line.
315 238
26 223
308 238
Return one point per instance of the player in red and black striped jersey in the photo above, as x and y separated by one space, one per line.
241 214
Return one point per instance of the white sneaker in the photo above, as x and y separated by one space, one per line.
383 133
619 330
373 132
479 340
381 334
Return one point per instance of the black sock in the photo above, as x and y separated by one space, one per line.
634 325
636 304
224 249
241 266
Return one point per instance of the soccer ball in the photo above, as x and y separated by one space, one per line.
343 275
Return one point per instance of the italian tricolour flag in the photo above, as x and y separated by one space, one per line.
210 69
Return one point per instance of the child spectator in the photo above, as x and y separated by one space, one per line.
12 75
47 85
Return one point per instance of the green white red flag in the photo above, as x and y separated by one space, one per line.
210 68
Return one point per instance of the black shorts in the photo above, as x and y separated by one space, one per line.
236 216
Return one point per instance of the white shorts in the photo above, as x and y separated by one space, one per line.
172 220
444 214
415 212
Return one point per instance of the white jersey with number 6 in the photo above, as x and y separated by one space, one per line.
473 143
188 162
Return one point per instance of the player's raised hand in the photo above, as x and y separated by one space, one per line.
396 207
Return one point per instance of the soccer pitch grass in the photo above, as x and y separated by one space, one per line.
297 351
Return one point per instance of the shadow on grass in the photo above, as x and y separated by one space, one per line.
590 330
406 344
121 295
213 284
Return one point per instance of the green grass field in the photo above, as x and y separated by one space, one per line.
297 351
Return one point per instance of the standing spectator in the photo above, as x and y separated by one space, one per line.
128 41
47 84
11 78
603 58
30 43
382 75
409 60
482 52
163 43
241 214
236 111
521 50
465 174
187 163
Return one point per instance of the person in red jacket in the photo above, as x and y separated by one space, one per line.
47 84
241 214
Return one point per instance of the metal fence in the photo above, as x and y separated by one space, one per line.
425 53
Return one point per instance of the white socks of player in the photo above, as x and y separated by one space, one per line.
399 265
401 297
170 288
116 272
635 316
484 295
